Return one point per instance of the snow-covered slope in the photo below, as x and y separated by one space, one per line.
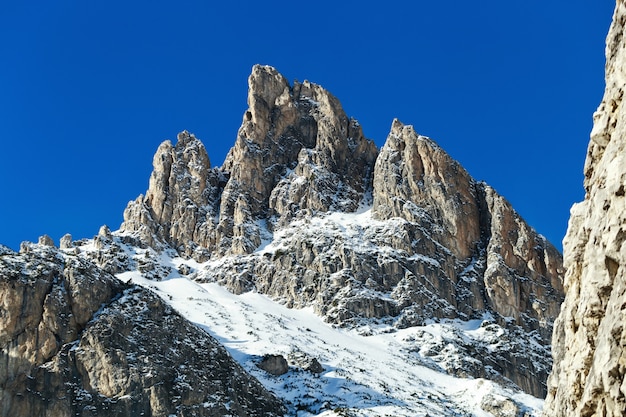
369 370
76 341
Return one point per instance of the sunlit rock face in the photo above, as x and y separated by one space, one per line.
415 178
74 340
489 259
589 344
308 211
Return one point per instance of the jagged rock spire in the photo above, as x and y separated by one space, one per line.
296 151
417 180
179 206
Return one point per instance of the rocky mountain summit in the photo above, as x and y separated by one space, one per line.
589 374
397 246
434 243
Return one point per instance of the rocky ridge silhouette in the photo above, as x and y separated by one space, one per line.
306 210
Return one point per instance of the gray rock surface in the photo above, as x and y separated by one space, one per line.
450 212
301 360
589 373
416 180
66 241
46 240
501 407
74 340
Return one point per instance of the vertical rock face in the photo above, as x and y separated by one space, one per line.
523 275
296 151
182 200
45 303
589 344
415 179
74 340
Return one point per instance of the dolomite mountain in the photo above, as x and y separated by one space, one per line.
589 374
439 244
309 212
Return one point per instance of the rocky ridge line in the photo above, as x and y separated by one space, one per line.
296 152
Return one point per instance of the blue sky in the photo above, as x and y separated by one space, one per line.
88 90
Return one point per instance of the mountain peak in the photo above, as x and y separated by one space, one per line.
308 212
435 243
296 151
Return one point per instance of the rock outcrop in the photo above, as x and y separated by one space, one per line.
483 236
74 340
589 344
306 210
416 180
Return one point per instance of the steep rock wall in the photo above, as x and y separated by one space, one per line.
589 343
296 152
518 271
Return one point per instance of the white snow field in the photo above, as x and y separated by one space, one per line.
378 371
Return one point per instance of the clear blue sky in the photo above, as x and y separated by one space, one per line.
88 90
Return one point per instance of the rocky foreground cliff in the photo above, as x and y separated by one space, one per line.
589 374
398 245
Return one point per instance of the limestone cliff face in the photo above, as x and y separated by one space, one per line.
45 304
589 374
182 201
415 179
74 340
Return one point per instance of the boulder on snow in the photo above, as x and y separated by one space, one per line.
274 364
